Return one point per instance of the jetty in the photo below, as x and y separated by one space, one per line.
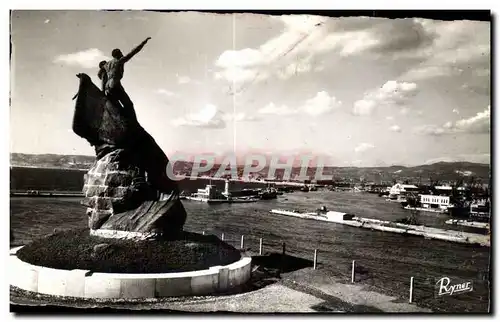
466 223
388 226
218 201
47 194
435 210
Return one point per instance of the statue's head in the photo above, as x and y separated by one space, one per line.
117 53
101 64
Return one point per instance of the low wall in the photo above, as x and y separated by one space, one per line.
84 283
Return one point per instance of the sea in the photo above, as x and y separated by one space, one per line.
386 260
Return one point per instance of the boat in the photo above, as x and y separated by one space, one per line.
267 194
480 210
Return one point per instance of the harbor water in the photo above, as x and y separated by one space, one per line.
386 261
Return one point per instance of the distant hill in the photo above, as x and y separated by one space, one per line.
51 161
442 171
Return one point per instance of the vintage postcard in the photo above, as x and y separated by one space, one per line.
250 162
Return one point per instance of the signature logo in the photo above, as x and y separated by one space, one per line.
445 287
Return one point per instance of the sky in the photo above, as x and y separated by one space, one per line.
359 91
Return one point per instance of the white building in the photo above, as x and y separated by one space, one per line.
210 192
444 190
434 201
401 189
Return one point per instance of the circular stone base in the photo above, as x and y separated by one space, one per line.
77 249
72 263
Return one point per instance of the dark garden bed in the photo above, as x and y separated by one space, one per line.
76 249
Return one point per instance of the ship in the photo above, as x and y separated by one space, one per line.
269 193
480 210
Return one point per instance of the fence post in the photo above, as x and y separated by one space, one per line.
260 246
222 237
242 241
411 290
283 257
315 258
352 271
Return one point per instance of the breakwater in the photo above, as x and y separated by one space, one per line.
393 227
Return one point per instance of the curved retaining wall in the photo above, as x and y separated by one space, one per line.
83 283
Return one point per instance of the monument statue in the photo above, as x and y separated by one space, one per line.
128 193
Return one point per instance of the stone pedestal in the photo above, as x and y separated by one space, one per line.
120 201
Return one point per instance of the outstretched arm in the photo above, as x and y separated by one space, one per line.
134 51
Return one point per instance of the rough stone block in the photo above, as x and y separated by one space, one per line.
117 192
93 190
98 217
99 203
118 182
116 179
95 180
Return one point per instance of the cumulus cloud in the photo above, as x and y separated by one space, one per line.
364 107
165 92
404 110
208 117
282 55
395 128
305 37
391 93
183 79
321 104
480 123
89 58
457 46
434 48
240 117
273 109
362 147
389 118
478 158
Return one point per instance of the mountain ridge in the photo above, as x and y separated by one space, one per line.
460 170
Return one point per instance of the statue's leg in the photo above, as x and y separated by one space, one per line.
125 100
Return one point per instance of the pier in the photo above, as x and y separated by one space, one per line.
218 201
47 194
387 226
473 224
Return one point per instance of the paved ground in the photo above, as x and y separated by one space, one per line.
304 291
